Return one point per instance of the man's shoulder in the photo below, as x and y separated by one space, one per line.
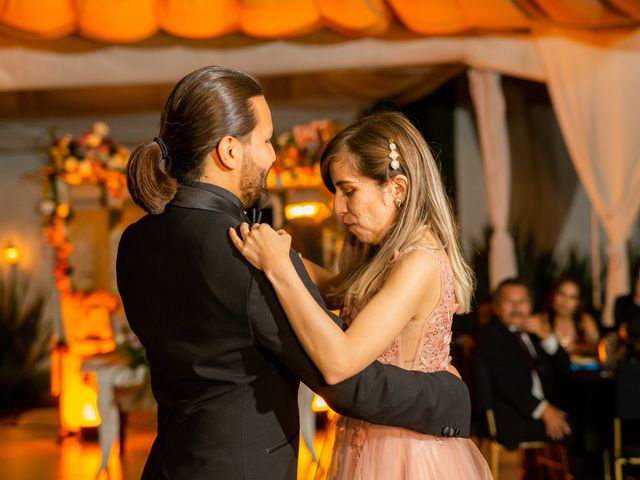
494 327
491 333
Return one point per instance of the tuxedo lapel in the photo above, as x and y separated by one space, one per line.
512 346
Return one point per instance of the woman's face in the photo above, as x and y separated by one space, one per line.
566 299
366 208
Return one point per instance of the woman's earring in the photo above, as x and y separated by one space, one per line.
398 202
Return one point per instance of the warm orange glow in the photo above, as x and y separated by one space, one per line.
319 405
78 396
11 254
89 413
127 21
602 351
316 210
87 332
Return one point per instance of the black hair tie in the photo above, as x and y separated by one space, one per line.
163 148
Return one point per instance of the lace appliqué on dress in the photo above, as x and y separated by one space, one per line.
434 353
391 355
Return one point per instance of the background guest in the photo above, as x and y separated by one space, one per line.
628 305
523 370
564 313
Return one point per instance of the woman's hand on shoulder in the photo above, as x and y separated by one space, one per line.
261 245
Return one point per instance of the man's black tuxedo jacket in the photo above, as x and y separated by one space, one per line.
225 363
508 374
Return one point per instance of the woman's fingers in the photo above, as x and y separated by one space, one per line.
245 231
235 239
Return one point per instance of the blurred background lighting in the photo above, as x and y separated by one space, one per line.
11 254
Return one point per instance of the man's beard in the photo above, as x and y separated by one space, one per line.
253 185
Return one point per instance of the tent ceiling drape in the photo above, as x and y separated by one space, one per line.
124 21
75 62
322 89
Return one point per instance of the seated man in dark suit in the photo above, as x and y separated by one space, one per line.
523 368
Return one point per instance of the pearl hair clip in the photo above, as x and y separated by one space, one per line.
393 155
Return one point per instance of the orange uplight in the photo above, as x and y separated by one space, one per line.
319 405
78 395
11 254
602 351
89 413
88 332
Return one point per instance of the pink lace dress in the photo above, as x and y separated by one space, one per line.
364 451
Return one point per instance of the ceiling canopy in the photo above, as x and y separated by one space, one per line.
126 21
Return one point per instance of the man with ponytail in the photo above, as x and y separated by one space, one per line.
225 363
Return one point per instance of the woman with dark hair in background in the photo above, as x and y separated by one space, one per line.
564 314
628 306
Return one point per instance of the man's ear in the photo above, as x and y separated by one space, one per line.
229 153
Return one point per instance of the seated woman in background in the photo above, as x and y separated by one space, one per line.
632 345
628 306
575 329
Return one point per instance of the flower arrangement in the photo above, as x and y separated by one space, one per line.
92 157
298 155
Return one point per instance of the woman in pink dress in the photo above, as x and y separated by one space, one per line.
401 278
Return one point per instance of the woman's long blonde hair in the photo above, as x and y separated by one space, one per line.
363 267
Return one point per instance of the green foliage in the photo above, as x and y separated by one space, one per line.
24 343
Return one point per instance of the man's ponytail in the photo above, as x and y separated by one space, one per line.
149 185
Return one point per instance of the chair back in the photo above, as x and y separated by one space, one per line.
627 386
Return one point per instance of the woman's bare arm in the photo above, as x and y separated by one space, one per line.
340 355
319 275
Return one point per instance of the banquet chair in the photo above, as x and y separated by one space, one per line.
551 456
626 423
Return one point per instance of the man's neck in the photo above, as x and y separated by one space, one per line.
227 183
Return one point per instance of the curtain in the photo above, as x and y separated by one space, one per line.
594 90
489 104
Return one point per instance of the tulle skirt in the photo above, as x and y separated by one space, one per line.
357 450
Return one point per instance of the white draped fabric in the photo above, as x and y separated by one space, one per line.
489 104
594 90
75 62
